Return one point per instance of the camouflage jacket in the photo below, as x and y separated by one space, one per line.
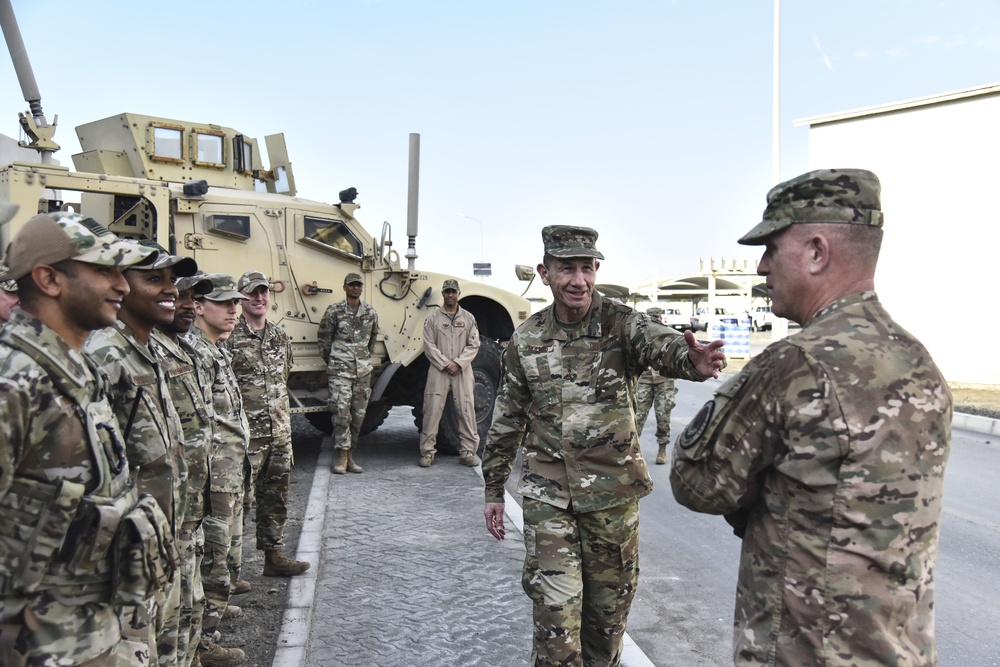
232 433
261 362
573 391
829 450
59 442
153 442
193 401
347 339
651 377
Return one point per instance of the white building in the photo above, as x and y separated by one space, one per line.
939 162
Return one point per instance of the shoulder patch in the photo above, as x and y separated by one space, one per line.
696 428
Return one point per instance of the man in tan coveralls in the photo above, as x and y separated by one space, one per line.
451 342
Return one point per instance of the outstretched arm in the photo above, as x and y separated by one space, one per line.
706 358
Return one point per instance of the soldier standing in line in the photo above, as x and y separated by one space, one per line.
215 319
451 343
827 452
346 338
9 297
60 446
262 359
191 393
569 374
151 428
657 392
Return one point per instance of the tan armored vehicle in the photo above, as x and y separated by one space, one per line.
200 190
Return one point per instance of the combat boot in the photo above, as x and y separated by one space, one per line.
277 564
351 465
242 586
661 456
340 467
212 655
469 459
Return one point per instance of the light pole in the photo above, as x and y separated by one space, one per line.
481 246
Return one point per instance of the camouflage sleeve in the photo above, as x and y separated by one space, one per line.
431 350
509 421
13 431
661 348
732 439
471 348
374 337
327 329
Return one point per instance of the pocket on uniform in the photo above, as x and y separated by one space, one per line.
145 552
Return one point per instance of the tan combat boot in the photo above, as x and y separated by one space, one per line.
212 655
242 586
661 456
277 564
340 466
351 465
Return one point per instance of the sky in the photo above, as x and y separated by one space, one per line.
647 120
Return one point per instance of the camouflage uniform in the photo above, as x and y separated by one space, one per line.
450 338
261 363
154 445
660 393
346 341
192 398
223 526
582 469
54 610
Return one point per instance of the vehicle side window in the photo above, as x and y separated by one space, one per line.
332 234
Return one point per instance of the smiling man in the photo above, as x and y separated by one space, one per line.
567 395
827 452
151 428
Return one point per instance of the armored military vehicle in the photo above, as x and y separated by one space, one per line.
201 190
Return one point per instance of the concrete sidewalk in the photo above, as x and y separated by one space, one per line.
403 571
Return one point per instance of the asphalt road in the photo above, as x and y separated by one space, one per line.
682 616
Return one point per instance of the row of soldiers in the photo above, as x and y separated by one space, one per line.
140 415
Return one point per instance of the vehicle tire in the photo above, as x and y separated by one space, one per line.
374 416
486 375
754 327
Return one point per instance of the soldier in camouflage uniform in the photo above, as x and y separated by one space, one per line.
9 298
567 392
60 446
150 424
216 316
191 393
346 337
262 359
827 452
657 392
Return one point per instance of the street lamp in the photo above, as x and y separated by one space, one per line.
482 255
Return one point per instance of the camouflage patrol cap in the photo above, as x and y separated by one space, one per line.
198 282
251 280
184 267
49 238
353 278
655 311
844 196
7 285
564 241
223 288
451 283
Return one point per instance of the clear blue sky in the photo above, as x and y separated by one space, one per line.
647 120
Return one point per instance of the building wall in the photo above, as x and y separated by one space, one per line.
939 166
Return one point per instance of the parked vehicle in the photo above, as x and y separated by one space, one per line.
761 318
673 317
702 319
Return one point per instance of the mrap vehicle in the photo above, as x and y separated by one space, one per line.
200 190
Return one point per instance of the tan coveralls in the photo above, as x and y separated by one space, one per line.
450 338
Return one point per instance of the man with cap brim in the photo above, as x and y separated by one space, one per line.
346 337
141 398
215 318
262 359
827 452
451 343
56 594
659 393
567 393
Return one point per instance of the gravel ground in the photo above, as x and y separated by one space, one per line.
256 630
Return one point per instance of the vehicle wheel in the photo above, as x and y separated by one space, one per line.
376 414
754 327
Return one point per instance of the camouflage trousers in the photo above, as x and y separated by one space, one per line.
38 630
662 396
223 558
192 594
271 470
581 573
348 403
150 630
